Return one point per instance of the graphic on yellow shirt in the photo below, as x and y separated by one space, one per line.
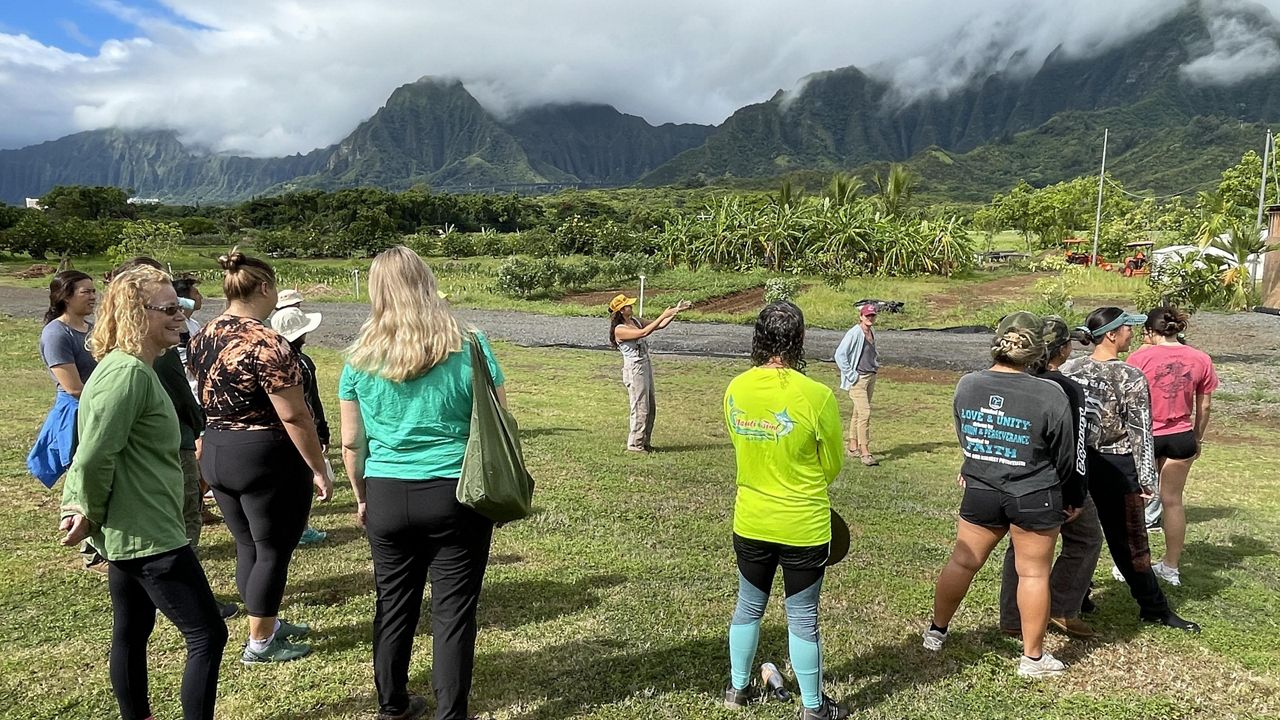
760 428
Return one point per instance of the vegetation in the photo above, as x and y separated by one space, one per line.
580 620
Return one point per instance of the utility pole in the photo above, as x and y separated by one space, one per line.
1102 176
1262 190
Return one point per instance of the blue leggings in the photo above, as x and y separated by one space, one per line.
802 572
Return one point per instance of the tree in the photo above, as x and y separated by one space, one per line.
895 189
34 235
145 237
87 203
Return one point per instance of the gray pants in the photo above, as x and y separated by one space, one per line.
1154 509
638 377
192 498
1072 571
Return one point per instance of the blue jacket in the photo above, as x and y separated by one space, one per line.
848 354
51 455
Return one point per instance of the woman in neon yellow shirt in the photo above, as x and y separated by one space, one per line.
788 439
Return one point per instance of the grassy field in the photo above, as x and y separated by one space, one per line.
613 600
978 297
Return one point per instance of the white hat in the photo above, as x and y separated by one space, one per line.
292 323
288 298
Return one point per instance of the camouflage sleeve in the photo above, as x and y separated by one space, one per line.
1137 424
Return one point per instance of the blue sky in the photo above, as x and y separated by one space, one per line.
79 26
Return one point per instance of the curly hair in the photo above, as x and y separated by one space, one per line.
1018 347
1167 321
779 333
122 318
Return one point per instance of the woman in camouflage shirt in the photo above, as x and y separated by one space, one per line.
1122 469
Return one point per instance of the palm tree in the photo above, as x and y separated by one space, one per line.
894 190
843 189
1232 230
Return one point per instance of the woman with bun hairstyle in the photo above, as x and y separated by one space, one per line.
261 454
1182 381
1122 468
125 491
1016 432
627 334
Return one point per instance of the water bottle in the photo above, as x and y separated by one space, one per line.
772 678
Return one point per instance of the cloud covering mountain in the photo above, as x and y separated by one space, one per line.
275 77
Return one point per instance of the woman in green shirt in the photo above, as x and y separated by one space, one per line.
406 400
125 492
787 437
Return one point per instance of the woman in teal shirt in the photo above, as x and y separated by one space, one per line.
125 491
406 401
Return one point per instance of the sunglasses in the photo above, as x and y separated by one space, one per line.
169 310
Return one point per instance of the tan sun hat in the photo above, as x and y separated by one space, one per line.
288 298
620 301
292 323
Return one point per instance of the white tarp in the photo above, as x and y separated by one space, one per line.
1178 252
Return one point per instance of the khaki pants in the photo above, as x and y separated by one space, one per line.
860 423
192 497
638 377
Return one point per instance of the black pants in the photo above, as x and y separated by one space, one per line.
174 583
416 530
263 487
1113 484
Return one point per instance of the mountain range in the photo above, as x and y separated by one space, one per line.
1168 132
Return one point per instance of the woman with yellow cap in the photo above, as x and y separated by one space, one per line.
627 333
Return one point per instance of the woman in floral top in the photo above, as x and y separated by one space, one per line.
261 454
1122 468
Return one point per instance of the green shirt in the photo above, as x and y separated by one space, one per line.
125 477
787 436
417 429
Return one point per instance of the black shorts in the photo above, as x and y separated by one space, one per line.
1180 446
1038 510
759 560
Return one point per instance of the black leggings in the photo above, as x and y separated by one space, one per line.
1113 484
263 487
174 583
419 530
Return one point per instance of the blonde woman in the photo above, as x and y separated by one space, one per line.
406 398
125 492
261 455
1017 434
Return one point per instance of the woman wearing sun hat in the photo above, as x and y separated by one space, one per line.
294 325
1121 451
627 333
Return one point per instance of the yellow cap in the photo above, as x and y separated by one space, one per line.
620 301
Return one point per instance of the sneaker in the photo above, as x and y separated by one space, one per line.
1167 574
292 631
828 710
736 699
1171 619
1046 666
1155 527
870 460
1075 627
228 610
312 535
417 708
934 639
280 650
1115 573
641 450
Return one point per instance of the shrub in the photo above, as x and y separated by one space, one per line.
580 275
539 243
1051 263
145 237
780 289
457 245
497 244
523 277
426 244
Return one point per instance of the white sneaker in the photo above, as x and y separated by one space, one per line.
1046 666
1115 573
1167 574
933 639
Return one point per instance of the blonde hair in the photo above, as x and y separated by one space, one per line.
243 274
410 330
122 317
1018 347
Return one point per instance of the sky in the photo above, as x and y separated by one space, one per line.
277 77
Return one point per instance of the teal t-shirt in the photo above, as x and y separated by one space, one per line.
418 429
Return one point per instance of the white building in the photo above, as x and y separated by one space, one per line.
34 203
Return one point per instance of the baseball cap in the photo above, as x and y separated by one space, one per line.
868 309
1021 320
620 301
292 323
1056 333
288 298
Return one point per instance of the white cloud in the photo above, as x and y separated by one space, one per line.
1242 48
270 77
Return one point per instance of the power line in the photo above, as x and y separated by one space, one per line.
1180 193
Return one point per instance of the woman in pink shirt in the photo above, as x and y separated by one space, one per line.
1182 380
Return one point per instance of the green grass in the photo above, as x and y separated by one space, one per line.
613 600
